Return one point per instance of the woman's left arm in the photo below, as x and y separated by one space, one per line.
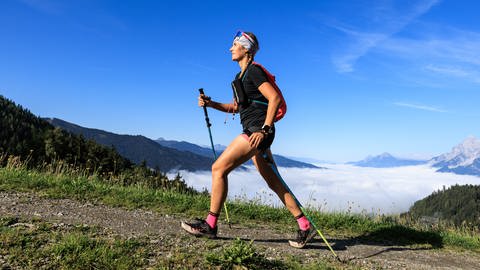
274 100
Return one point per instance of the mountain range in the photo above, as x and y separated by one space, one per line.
463 159
139 148
281 161
386 160
166 155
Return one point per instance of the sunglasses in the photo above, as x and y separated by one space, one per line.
241 33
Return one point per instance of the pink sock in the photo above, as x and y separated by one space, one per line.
212 219
303 222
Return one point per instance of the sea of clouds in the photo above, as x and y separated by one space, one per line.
341 187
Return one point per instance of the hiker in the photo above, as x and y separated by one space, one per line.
257 101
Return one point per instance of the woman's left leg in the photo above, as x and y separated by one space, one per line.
274 183
306 232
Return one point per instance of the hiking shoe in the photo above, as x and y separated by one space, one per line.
200 228
303 237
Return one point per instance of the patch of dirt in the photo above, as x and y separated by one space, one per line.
165 230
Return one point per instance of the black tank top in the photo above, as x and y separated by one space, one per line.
253 117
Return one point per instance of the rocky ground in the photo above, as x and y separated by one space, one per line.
165 231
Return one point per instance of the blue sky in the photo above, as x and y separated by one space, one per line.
359 77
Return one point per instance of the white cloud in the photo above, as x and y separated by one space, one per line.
437 49
419 107
342 187
451 46
455 71
388 21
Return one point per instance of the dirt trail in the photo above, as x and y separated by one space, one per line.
165 229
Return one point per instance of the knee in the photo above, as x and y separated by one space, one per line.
218 170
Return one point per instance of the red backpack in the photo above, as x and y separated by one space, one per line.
282 108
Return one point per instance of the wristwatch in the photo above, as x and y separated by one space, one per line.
266 129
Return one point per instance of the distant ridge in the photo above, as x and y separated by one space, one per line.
166 155
186 146
386 160
281 161
139 148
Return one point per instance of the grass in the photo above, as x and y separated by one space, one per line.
380 228
77 247
34 244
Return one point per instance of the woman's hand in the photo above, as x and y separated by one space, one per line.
256 138
204 101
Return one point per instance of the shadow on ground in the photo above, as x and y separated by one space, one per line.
387 239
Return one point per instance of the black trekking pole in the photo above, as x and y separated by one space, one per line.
275 170
207 120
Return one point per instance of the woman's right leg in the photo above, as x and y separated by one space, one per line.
236 154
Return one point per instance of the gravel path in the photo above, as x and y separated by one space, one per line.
166 229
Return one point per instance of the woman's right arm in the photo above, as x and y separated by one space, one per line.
224 107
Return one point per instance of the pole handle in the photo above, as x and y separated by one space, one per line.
205 110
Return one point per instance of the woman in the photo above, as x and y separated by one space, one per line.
258 134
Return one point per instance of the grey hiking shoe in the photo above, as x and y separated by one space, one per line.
303 237
200 228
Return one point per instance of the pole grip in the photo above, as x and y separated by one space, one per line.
207 120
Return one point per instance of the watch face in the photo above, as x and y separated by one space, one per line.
267 129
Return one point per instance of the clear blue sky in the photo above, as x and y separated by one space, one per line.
359 77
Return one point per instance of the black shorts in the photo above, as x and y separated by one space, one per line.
266 143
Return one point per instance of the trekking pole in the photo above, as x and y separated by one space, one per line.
275 170
207 120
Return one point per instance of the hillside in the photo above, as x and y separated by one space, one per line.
139 148
459 205
31 138
33 142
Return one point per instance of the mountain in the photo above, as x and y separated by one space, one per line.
463 159
281 161
311 160
186 146
386 160
139 148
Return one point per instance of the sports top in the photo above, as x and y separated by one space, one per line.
253 117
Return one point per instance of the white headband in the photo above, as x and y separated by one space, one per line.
247 42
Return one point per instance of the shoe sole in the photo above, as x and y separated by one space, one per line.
188 228
302 245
